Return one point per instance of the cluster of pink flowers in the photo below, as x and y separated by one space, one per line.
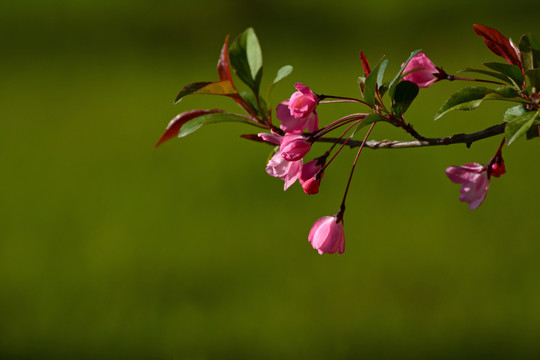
296 114
299 127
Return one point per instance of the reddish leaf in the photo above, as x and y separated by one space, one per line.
365 63
176 124
190 89
252 137
223 62
498 44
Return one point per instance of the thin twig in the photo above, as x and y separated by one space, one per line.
467 139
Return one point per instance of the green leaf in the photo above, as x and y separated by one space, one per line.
406 92
512 71
519 126
380 76
371 118
513 112
470 98
371 84
246 58
489 73
195 124
534 130
399 75
529 47
283 73
176 124
534 78
250 98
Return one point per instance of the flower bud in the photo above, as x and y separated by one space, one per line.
327 235
294 147
303 102
427 74
497 167
308 178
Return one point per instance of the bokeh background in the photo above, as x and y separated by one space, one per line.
111 250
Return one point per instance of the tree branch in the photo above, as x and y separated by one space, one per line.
467 139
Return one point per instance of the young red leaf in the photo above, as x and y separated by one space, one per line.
223 67
365 64
176 124
253 137
498 44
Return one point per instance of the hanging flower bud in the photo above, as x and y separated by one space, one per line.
427 74
327 235
294 147
308 178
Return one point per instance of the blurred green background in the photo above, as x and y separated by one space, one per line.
110 250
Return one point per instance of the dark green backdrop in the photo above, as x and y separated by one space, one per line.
110 250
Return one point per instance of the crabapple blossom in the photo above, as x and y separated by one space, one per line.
327 235
475 180
293 125
294 147
303 102
288 171
427 74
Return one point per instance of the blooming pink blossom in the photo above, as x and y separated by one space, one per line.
294 147
303 102
308 178
475 180
288 171
327 235
294 125
424 77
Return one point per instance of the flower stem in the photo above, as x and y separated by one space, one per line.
354 165
322 97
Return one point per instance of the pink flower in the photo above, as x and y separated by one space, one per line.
327 235
424 77
271 138
287 171
303 102
308 179
294 125
294 147
475 180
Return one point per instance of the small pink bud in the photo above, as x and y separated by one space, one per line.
327 235
475 182
308 178
294 147
424 77
303 102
